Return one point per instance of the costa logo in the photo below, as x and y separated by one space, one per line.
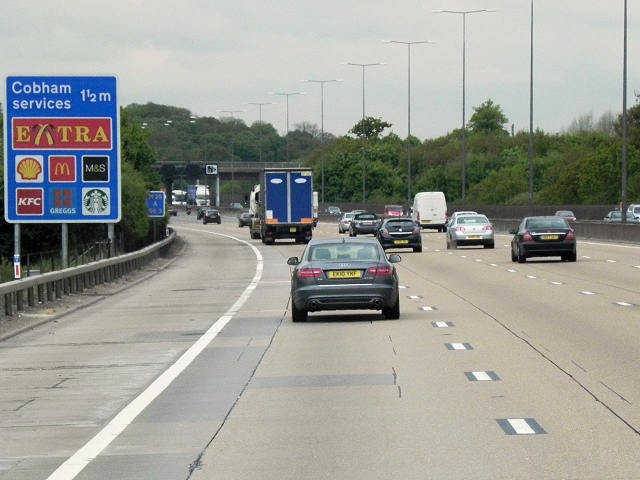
61 133
30 201
62 168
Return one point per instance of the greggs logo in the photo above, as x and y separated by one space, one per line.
62 168
61 133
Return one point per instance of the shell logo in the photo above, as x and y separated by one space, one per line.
29 169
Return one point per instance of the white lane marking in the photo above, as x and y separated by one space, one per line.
521 426
612 261
76 463
531 276
442 324
511 271
493 264
557 283
482 376
428 309
587 293
624 304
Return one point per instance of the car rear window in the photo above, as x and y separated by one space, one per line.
551 223
469 220
365 216
341 251
403 224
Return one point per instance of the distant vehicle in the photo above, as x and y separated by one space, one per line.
429 210
455 214
236 206
211 216
173 211
543 237
244 219
198 195
344 274
345 222
315 209
393 211
282 205
635 209
467 230
616 216
399 232
566 214
200 211
333 210
364 223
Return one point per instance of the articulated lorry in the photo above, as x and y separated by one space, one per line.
282 205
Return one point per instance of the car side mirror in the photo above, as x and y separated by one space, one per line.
513 231
293 261
395 258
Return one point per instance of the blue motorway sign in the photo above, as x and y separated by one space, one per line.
155 204
62 149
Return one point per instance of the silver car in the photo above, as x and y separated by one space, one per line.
470 230
345 222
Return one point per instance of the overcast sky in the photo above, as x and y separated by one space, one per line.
213 55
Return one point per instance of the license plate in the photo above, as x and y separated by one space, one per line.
400 242
344 274
549 237
474 237
293 229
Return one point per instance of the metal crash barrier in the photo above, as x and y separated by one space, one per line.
51 286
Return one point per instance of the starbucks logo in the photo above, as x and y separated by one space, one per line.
95 201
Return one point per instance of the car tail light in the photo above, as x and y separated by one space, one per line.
459 229
384 231
570 236
487 227
309 272
526 237
380 271
416 231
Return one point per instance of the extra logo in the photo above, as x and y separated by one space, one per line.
95 168
63 201
29 201
96 201
61 133
62 169
29 169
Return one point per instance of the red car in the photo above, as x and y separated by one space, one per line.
566 214
393 211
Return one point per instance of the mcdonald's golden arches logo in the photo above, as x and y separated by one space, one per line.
62 168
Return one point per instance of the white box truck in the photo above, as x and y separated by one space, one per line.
429 210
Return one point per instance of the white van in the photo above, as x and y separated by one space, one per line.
430 210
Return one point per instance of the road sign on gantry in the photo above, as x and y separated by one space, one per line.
62 149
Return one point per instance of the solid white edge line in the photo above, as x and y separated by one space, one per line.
79 460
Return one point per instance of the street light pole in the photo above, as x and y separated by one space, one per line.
260 125
287 95
322 82
464 122
363 65
233 185
531 144
408 44
623 198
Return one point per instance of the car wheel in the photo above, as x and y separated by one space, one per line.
393 312
448 244
573 257
522 258
454 244
219 222
513 255
298 315
490 245
417 249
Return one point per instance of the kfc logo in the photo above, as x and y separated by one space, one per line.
30 201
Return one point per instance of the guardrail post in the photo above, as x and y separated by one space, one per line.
8 305
20 300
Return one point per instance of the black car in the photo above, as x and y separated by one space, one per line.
364 223
543 237
344 274
201 210
400 233
244 219
211 216
173 211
